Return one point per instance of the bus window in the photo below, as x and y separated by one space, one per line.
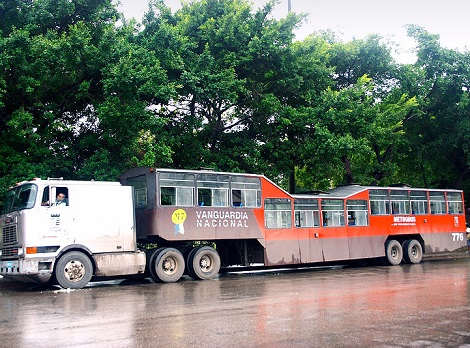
454 203
246 191
400 202
419 202
332 212
357 213
176 189
306 213
437 202
278 213
212 190
140 190
379 202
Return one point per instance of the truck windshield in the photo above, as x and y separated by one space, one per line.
21 197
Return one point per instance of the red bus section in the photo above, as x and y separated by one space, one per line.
250 221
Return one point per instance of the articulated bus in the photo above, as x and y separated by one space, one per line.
166 223
246 220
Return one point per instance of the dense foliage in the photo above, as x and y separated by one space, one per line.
86 94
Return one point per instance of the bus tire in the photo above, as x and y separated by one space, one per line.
203 263
189 268
393 252
166 265
412 251
73 270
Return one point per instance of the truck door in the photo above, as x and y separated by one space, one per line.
56 214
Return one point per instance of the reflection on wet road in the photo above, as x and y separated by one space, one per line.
425 305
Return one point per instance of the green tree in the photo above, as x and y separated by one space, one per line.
356 123
352 137
221 85
242 79
437 152
77 94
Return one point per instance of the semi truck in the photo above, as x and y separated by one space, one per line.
166 223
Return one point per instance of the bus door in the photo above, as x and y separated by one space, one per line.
334 234
362 243
307 224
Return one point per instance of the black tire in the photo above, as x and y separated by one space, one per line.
150 254
203 263
73 270
189 268
393 252
166 265
412 251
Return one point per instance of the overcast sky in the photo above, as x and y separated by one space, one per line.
357 18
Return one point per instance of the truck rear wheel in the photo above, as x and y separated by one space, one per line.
393 252
166 265
412 251
73 270
203 263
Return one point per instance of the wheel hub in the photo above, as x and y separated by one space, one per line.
169 265
74 271
205 263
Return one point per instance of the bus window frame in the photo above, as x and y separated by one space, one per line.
400 202
245 192
383 205
419 199
210 189
353 218
440 203
279 214
332 214
139 183
451 203
180 191
304 206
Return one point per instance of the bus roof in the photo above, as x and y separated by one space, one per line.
347 191
139 171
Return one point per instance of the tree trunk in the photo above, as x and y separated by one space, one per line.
292 180
348 176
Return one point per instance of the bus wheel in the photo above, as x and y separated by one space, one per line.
412 251
166 265
73 270
203 263
189 267
393 252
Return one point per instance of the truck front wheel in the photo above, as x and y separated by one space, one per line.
73 270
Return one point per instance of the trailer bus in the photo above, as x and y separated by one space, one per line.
166 223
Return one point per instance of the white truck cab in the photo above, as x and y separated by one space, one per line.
68 231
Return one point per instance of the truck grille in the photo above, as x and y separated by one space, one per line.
9 242
10 251
9 235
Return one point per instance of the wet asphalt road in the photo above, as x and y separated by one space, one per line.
425 305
